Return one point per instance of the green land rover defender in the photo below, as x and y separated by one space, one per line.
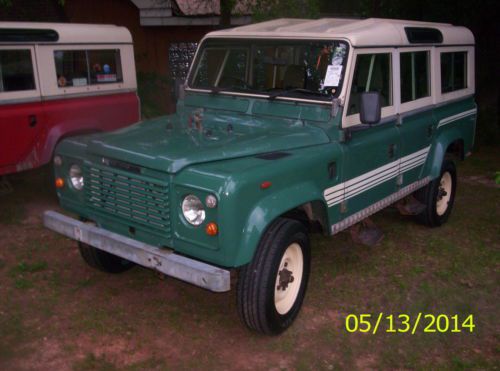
279 126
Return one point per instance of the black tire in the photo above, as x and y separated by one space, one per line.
433 193
256 287
103 260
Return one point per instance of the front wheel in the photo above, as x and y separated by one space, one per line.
272 287
438 196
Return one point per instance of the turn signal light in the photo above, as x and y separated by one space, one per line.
265 185
59 182
212 229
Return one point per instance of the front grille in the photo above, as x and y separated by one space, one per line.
129 196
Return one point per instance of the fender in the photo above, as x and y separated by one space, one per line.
63 131
438 151
267 210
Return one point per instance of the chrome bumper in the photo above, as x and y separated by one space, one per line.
165 261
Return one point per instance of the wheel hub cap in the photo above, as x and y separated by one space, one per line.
444 193
285 277
288 278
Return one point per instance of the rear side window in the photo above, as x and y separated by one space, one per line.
87 67
414 76
16 70
453 71
372 73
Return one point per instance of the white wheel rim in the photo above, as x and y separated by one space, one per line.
444 193
288 278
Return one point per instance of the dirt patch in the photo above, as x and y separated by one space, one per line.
57 313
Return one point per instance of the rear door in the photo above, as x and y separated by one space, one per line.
417 123
20 106
372 153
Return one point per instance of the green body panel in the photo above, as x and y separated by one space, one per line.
369 148
416 132
462 129
225 159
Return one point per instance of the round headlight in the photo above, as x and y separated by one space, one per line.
76 177
192 209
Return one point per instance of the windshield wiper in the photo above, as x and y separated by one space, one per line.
284 93
218 89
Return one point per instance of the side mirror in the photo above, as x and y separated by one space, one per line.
179 89
370 108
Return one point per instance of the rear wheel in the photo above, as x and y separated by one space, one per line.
103 260
438 196
272 287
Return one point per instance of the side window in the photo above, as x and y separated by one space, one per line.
71 68
16 70
105 66
371 73
453 71
414 75
87 67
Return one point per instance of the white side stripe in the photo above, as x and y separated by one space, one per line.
456 117
355 186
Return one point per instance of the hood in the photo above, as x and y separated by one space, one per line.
174 142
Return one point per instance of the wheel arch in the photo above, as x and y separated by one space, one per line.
307 207
448 144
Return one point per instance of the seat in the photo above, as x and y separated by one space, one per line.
294 77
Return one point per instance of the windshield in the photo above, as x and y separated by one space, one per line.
295 68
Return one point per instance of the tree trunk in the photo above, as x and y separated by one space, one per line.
226 6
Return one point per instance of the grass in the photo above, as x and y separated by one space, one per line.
54 309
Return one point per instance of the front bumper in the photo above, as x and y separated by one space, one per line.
165 261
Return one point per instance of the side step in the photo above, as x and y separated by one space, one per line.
410 206
366 233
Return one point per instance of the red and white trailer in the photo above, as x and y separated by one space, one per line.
59 80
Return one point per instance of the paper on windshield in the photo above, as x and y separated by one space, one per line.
332 77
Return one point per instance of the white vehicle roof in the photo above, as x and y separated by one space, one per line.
67 33
359 32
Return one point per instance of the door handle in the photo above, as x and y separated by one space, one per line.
430 129
391 151
32 120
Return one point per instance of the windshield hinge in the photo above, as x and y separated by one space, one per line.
336 104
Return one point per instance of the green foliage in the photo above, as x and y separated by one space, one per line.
497 177
153 90
263 10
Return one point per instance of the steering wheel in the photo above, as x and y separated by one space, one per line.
232 81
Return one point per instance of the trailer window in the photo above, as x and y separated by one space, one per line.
87 67
453 71
16 71
414 76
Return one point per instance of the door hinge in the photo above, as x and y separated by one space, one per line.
332 170
391 151
399 179
343 207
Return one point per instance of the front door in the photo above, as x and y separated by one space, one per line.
371 163
20 106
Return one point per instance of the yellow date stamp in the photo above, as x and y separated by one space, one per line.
404 323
